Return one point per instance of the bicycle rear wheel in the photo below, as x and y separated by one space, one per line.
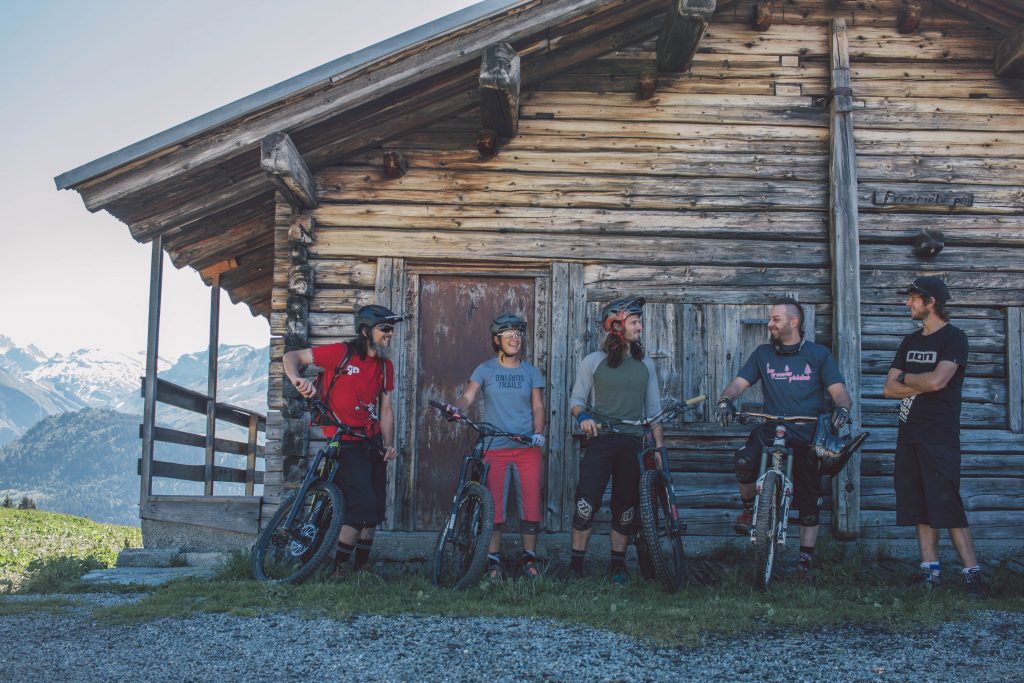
767 517
460 552
662 536
290 554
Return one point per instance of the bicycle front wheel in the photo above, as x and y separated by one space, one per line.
767 518
460 552
290 554
663 539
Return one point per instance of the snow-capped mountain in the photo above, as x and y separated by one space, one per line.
40 386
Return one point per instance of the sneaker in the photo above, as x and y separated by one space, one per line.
341 572
974 584
924 580
529 567
803 574
744 522
618 574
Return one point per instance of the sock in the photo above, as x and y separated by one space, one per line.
576 560
528 556
968 570
494 558
363 546
748 504
618 559
806 555
931 567
342 552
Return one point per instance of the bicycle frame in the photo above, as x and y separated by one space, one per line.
477 470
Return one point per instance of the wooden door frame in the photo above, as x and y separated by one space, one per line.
402 484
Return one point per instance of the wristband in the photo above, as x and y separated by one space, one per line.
902 378
583 417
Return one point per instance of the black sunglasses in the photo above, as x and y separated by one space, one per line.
386 328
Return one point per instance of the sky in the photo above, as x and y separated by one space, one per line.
83 79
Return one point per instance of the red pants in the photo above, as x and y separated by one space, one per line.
521 466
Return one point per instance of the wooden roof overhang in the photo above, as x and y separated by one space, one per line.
201 187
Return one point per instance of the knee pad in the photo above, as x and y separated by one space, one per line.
583 517
625 522
746 466
808 520
531 528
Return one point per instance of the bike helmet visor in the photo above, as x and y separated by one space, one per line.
507 321
374 315
620 309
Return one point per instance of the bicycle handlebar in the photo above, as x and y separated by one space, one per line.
485 429
328 415
667 413
744 417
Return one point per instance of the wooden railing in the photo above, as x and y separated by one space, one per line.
193 401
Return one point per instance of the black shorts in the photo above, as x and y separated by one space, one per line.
927 482
362 478
612 456
807 490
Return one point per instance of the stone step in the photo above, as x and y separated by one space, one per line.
145 576
168 558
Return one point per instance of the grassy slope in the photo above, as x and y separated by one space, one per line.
36 544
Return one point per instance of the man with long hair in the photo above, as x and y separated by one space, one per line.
513 401
927 374
358 381
795 375
617 383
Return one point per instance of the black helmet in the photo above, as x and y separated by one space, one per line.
374 315
507 321
620 309
833 449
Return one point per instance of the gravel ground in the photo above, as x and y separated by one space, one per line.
42 646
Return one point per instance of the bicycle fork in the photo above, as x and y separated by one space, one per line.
467 462
778 451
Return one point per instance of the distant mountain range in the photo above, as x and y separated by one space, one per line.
34 385
69 424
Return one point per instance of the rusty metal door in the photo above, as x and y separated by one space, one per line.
454 317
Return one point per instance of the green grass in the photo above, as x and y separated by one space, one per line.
851 592
46 552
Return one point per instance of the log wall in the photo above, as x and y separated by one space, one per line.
711 198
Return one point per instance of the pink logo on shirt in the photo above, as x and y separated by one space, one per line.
787 375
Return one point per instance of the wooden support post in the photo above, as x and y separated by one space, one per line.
487 143
156 275
684 26
500 81
909 18
761 19
647 85
390 287
287 171
1015 367
395 165
211 384
250 456
1009 57
844 241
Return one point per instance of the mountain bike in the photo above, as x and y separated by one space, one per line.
774 494
302 531
659 545
460 552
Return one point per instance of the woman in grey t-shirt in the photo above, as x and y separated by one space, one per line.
513 401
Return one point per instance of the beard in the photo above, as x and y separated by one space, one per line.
383 351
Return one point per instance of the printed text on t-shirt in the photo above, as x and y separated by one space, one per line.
787 375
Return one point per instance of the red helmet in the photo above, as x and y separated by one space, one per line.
620 309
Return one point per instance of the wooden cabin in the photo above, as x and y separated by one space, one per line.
547 156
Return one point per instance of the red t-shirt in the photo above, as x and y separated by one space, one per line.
354 396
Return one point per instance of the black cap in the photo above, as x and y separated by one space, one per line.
932 286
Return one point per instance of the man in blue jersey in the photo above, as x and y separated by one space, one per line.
795 375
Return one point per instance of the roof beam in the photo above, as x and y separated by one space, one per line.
1009 57
996 14
685 24
287 171
500 81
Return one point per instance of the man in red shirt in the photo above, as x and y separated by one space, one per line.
359 379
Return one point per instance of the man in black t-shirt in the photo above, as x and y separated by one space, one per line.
928 375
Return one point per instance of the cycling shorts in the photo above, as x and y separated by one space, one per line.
515 470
